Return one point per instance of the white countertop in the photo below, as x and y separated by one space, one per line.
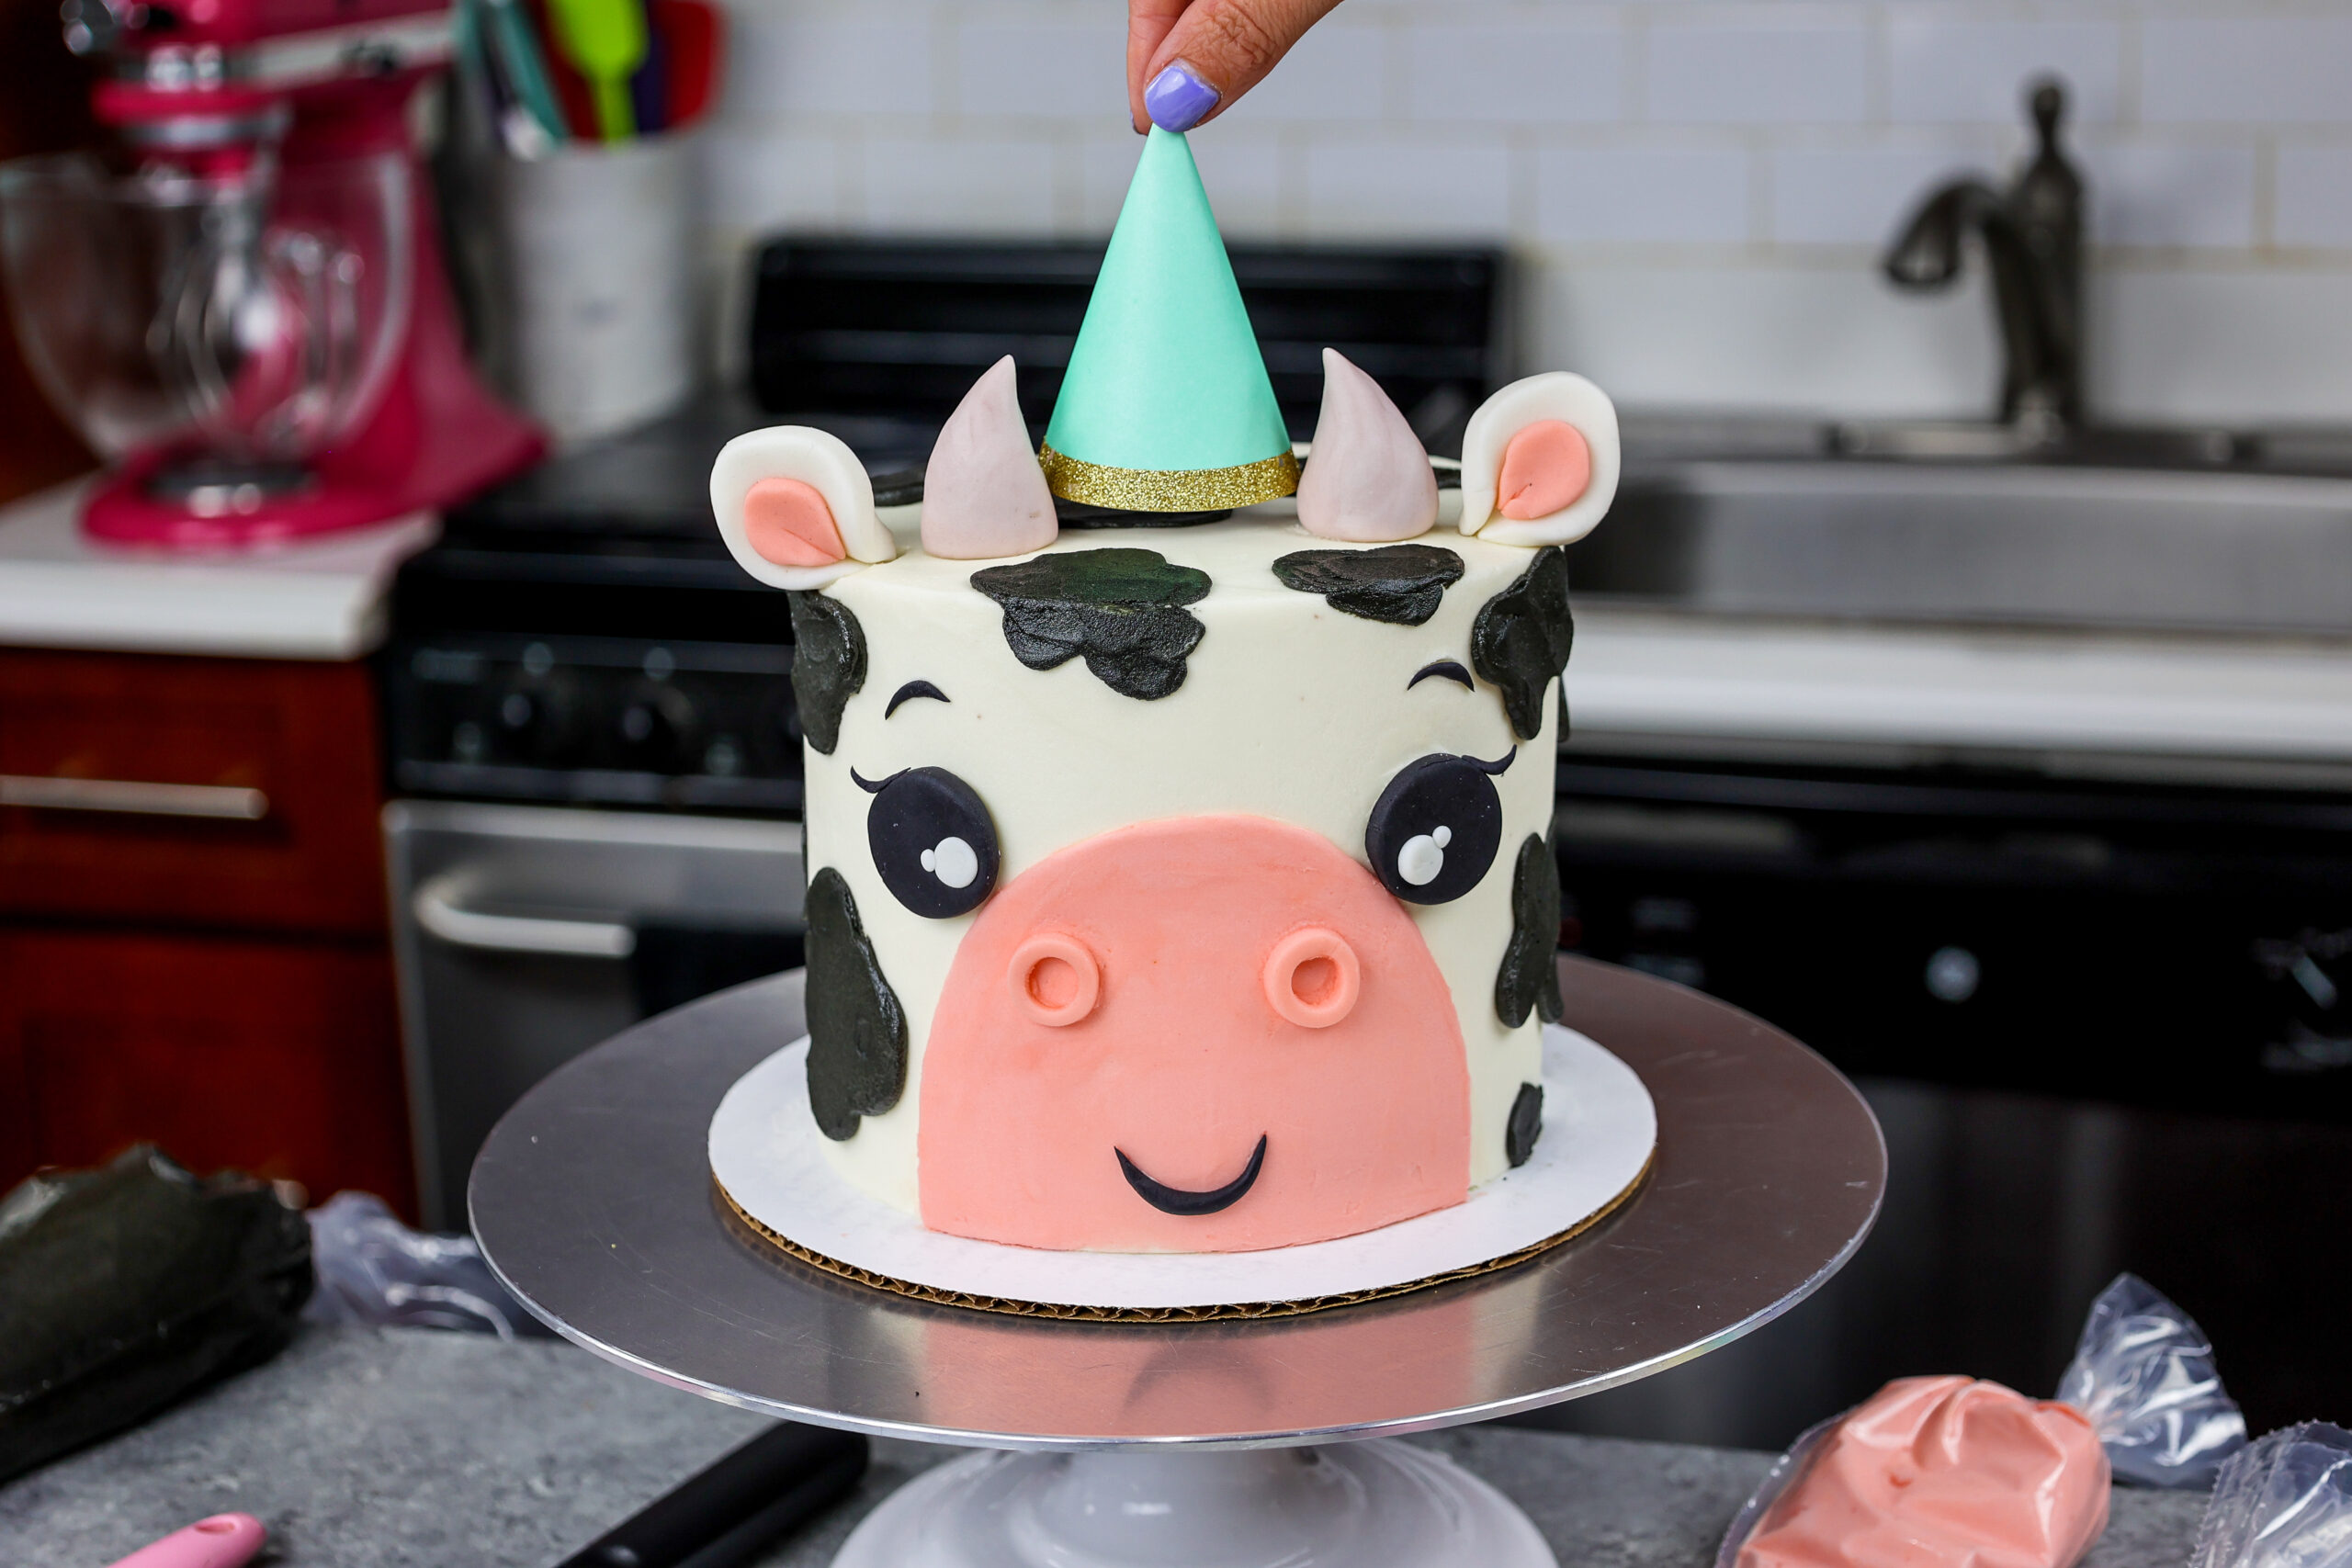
307 600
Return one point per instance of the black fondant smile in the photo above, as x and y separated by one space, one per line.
1176 1201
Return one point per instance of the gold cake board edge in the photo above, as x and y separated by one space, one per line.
1207 1314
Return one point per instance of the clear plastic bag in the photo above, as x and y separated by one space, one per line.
2285 1502
372 1268
2143 1372
2143 1376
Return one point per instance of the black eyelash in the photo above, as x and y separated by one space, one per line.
1446 668
875 786
910 691
1501 765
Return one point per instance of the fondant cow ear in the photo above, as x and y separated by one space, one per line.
984 495
796 507
1368 478
1540 461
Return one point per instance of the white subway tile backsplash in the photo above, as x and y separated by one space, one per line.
1655 196
1535 70
1860 196
2169 196
957 185
1367 186
1067 69
1955 64
1338 71
1802 74
760 181
2248 68
800 62
2314 196
1241 170
1752 154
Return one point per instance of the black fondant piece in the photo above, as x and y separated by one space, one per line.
1529 979
1443 669
914 814
1522 637
827 665
857 1031
1402 584
1456 794
1078 514
1120 609
1178 1201
900 487
1526 1124
910 691
125 1289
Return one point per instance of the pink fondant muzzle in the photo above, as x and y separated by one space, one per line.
1206 1034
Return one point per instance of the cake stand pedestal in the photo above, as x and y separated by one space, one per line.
1209 1445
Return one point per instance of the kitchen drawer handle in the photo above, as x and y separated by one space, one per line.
436 908
220 803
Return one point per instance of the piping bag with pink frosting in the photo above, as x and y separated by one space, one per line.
1951 1473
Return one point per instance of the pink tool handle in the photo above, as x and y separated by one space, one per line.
224 1540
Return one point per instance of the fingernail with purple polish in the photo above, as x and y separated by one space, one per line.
1177 99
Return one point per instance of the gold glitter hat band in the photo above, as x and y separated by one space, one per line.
1169 490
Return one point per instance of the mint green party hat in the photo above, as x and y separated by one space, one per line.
1166 406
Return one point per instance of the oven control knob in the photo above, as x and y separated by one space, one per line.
538 718
655 727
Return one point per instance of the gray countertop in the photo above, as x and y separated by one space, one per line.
371 1448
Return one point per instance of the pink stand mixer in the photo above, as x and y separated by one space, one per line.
245 311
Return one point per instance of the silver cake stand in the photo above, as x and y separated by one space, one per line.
1201 1444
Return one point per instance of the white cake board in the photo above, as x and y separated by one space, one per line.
1599 1128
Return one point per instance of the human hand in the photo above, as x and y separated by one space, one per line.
1189 59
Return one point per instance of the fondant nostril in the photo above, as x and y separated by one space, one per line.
1056 981
1312 977
1546 468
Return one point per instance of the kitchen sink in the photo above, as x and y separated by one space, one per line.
1972 542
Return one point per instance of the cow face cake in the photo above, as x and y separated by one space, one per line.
1177 820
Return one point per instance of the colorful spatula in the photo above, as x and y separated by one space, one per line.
605 40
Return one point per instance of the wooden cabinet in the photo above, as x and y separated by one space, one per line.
192 923
267 817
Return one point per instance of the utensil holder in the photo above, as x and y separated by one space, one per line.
601 274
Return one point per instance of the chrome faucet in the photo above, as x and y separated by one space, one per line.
2033 243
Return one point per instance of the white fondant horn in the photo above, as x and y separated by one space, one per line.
1368 478
983 495
796 507
1556 434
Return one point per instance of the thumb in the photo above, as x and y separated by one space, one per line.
1217 51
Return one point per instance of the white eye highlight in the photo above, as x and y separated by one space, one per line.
956 864
1423 856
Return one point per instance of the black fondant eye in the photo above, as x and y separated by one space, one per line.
1436 830
933 843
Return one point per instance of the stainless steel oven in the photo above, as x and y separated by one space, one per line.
524 934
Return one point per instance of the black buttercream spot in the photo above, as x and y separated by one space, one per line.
1521 637
857 1031
1526 1124
827 665
1402 584
1529 979
1119 609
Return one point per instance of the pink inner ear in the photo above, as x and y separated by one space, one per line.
788 523
1546 468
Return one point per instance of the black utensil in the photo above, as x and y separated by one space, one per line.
727 1514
